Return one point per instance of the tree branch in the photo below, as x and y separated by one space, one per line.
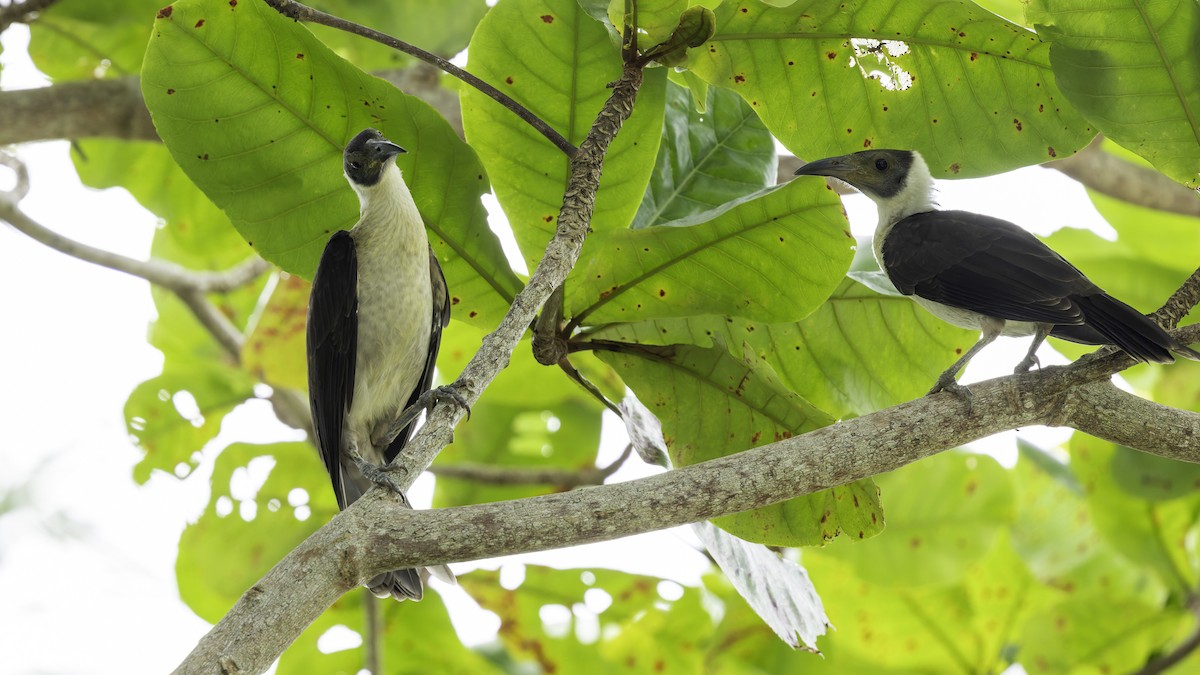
521 475
22 12
1126 181
377 533
1145 425
1186 297
300 12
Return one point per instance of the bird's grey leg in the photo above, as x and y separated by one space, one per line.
1031 359
376 474
947 381
425 402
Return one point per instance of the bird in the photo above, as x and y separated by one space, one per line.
984 273
376 312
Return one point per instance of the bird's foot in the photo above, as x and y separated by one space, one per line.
948 384
424 403
379 475
1027 363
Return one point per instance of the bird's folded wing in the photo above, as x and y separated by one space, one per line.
332 345
983 264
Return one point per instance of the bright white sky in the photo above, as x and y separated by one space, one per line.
87 557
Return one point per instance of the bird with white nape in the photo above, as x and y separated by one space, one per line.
984 273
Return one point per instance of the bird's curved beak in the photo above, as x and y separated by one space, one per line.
383 148
838 167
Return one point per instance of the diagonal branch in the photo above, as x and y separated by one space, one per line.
22 12
1115 177
521 475
299 12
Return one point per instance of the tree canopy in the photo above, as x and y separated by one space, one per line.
679 283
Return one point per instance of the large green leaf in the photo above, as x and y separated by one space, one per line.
85 39
1095 635
972 92
712 404
656 19
1149 533
706 158
260 126
859 352
237 539
1130 66
963 625
555 60
772 256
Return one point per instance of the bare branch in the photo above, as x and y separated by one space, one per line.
168 275
1128 182
388 536
521 475
299 12
22 12
1145 425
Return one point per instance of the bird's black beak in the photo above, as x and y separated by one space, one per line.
838 167
382 149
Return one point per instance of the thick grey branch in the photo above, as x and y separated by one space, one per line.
387 536
115 109
93 108
1128 182
521 475
1180 303
1103 411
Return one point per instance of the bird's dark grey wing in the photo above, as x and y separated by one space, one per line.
332 347
986 265
441 317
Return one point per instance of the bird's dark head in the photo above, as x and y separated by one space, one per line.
879 174
366 157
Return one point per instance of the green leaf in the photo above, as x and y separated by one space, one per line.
944 514
712 404
1099 633
1149 533
84 39
656 19
707 157
960 626
1056 535
275 346
1130 66
972 92
155 421
223 553
556 648
859 352
775 255
550 57
260 126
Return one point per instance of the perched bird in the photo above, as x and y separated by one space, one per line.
375 318
983 273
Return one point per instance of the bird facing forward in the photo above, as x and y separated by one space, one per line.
983 273
375 317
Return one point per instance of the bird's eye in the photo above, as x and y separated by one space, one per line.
881 164
355 165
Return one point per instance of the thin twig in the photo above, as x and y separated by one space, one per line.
373 640
1179 653
572 372
300 12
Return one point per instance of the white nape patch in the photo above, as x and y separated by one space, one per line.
338 638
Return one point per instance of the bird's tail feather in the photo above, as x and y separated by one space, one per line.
399 584
1134 332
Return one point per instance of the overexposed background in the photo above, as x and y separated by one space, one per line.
87 581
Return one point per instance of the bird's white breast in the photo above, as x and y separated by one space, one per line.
395 306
